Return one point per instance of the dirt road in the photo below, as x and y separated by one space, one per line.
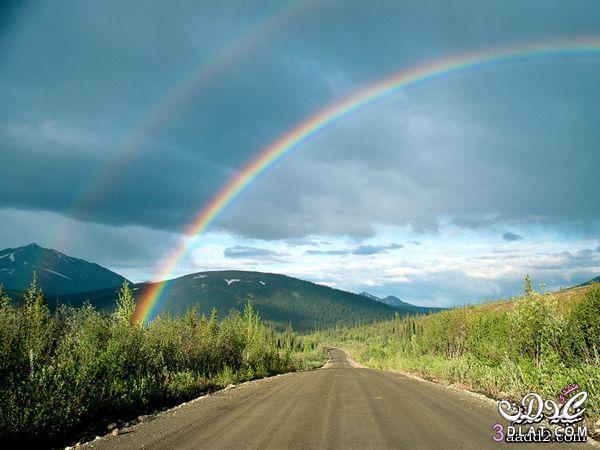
339 406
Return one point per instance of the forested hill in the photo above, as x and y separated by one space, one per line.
279 299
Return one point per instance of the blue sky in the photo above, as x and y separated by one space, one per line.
445 194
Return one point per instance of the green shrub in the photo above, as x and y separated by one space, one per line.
533 343
62 371
585 322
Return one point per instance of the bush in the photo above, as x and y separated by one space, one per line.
60 372
585 323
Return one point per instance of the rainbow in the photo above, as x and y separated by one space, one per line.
150 302
200 76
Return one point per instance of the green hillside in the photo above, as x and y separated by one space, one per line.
538 342
279 299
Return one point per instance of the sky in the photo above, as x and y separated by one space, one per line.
120 122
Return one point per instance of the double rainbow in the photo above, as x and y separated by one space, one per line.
151 300
204 73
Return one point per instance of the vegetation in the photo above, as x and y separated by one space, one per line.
61 371
539 342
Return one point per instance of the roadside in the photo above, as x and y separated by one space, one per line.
593 428
338 406
124 426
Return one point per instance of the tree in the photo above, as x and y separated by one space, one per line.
40 305
32 292
213 322
125 304
34 301
4 299
528 286
192 316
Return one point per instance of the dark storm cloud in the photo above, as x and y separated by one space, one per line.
79 78
129 250
411 165
510 236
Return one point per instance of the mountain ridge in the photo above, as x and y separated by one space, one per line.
56 273
394 301
280 299
593 280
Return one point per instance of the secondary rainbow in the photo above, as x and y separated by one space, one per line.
184 90
150 303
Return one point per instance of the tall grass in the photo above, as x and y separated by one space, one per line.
62 371
535 343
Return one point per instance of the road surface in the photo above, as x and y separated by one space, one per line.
339 406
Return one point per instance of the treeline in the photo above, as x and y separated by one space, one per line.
539 342
62 371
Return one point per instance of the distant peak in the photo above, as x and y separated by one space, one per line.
33 245
391 297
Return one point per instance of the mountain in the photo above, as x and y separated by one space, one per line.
56 273
372 297
593 280
401 305
394 301
278 298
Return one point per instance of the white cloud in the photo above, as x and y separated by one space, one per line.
454 267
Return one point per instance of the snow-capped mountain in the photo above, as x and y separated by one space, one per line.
56 273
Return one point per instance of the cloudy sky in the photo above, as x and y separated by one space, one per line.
120 121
